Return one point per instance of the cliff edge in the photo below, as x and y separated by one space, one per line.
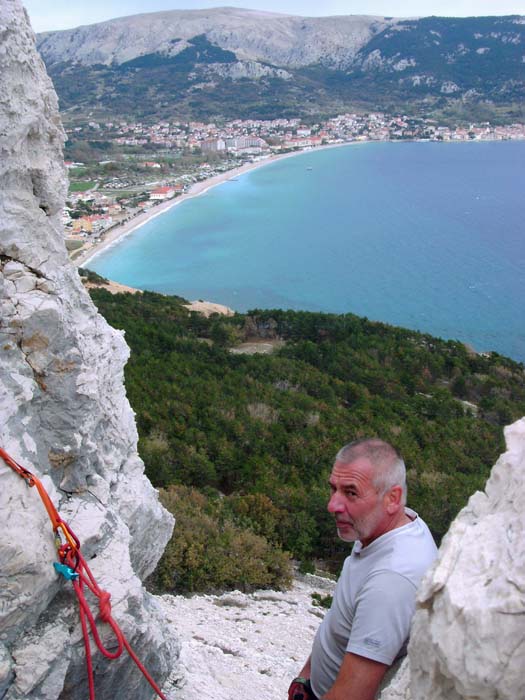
64 415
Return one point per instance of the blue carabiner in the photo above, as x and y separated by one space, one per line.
66 571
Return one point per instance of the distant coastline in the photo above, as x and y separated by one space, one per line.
453 274
116 234
120 231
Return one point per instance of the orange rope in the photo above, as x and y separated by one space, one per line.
74 567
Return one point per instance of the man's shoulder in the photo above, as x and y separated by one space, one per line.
412 550
408 551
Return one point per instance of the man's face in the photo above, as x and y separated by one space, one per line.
359 511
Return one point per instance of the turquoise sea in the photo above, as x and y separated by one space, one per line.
430 236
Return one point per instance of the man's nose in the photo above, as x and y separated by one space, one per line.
335 504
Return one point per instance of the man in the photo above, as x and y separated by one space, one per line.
366 630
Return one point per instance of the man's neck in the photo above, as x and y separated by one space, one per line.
402 518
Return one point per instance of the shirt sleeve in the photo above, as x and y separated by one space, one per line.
384 609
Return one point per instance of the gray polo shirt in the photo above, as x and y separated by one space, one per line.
374 601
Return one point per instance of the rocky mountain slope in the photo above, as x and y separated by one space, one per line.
229 62
281 40
64 415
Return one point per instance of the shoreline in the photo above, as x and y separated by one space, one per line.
120 231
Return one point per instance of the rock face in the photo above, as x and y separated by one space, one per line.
251 70
282 40
64 415
468 637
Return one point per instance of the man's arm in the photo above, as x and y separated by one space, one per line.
358 679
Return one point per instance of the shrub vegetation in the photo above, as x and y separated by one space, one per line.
209 551
251 438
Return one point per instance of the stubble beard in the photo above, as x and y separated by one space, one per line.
361 528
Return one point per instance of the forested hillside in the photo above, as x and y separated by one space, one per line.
254 436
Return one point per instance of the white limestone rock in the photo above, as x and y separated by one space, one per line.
449 88
6 670
64 415
398 688
468 637
246 69
265 37
239 645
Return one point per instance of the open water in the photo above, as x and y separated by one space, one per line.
429 236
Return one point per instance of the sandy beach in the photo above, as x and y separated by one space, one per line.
116 234
206 308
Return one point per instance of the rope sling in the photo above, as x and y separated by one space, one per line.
73 567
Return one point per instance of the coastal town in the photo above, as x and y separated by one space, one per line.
149 165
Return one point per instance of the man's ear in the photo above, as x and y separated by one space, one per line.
393 499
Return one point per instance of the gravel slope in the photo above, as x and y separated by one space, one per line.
237 645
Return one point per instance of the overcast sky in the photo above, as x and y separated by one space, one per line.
62 14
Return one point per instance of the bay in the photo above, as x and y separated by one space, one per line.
430 236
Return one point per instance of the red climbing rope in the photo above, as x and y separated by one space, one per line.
73 567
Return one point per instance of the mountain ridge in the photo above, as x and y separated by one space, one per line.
227 62
253 34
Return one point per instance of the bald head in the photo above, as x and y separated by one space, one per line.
388 464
